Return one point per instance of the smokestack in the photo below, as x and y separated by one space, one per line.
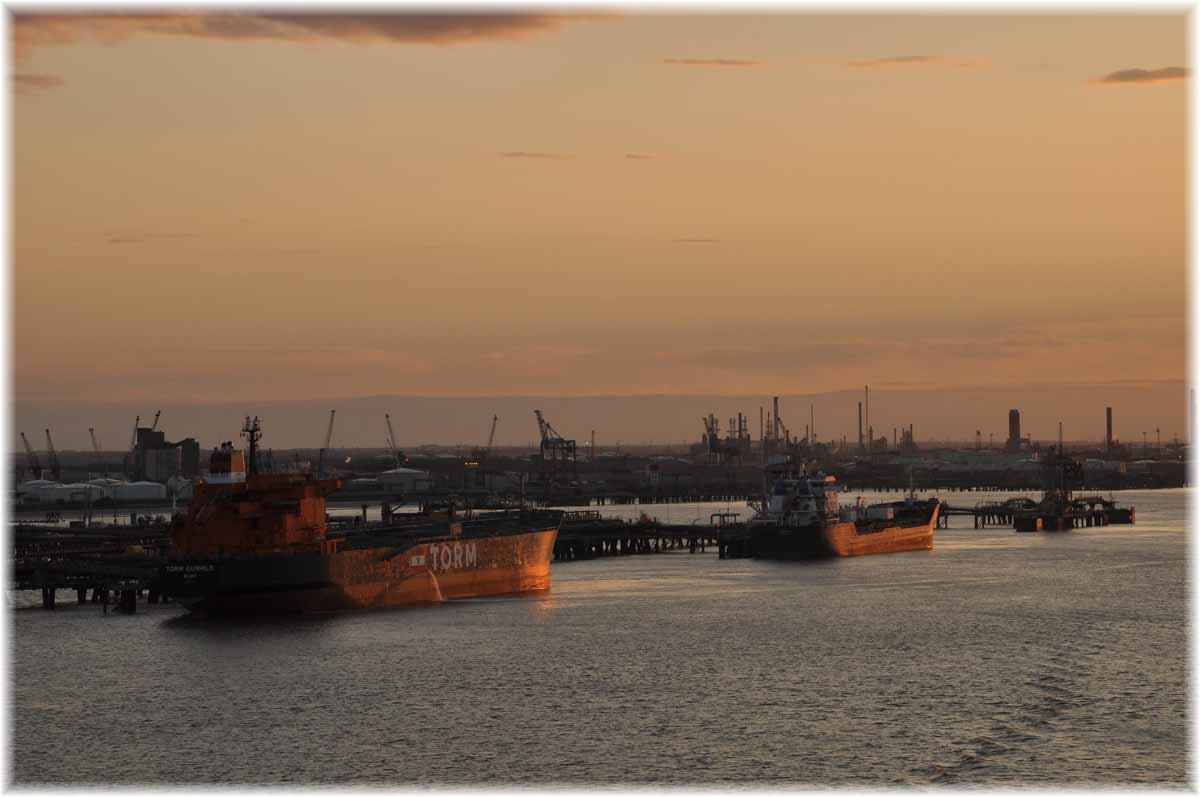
812 424
867 406
1108 433
775 434
860 440
911 442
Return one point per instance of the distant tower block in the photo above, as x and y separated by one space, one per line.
1108 432
1014 430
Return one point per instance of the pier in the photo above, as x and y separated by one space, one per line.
587 535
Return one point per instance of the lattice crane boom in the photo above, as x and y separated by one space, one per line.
492 435
96 448
392 439
31 458
328 440
55 468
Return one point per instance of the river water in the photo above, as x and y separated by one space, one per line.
996 659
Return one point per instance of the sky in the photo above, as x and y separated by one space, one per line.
234 207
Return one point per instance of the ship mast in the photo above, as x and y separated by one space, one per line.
252 432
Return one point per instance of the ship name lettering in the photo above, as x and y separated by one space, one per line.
456 556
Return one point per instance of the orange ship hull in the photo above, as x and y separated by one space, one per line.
375 577
845 539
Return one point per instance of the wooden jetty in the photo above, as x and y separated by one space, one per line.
111 562
587 535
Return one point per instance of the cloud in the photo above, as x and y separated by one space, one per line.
29 82
710 62
550 156
142 237
634 156
696 240
38 30
901 60
1144 75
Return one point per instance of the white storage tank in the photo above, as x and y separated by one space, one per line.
134 492
36 491
404 480
107 485
74 493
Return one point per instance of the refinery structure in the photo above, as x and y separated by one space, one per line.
725 461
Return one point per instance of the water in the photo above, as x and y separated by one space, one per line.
998 658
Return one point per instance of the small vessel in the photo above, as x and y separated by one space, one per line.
253 542
801 519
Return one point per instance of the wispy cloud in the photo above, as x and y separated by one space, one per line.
550 156
634 156
29 82
37 30
1144 75
711 62
143 237
696 240
900 60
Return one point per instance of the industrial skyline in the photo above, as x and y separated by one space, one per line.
632 420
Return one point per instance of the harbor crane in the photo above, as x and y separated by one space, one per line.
154 426
131 455
31 458
391 439
480 454
55 468
554 449
96 447
324 448
491 436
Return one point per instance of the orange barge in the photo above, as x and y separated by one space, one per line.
257 543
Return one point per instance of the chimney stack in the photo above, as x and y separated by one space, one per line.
860 439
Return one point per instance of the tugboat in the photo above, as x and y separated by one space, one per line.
801 519
254 542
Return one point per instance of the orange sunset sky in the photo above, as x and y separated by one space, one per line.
224 205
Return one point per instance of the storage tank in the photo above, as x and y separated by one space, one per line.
404 480
76 492
36 491
107 485
134 492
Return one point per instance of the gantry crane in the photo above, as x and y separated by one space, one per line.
554 449
55 468
324 448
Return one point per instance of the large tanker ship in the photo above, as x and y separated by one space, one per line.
257 543
801 519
